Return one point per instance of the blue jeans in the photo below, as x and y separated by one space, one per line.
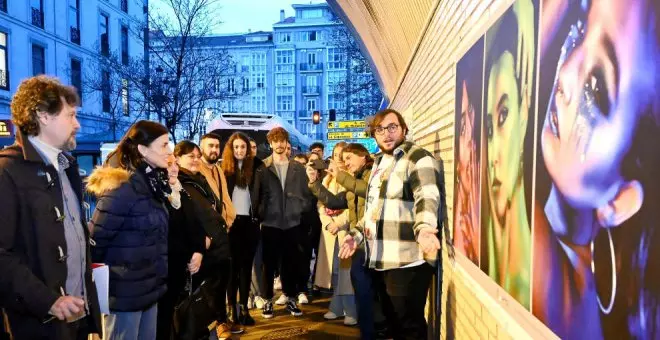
368 310
140 325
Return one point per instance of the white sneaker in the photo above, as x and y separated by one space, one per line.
349 321
302 299
330 316
282 300
259 302
277 284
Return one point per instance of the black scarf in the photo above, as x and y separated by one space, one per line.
157 180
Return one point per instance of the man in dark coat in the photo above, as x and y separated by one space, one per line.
280 197
46 281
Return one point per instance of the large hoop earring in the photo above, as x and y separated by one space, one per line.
607 310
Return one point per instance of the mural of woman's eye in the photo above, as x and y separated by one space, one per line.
489 126
596 91
502 116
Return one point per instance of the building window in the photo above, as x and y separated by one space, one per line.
312 13
124 97
284 79
246 84
124 45
230 85
311 104
4 62
336 102
104 32
38 60
311 81
245 63
283 37
311 58
105 91
336 58
284 103
259 104
309 36
124 5
74 21
37 12
3 5
76 76
284 61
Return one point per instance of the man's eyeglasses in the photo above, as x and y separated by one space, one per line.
379 130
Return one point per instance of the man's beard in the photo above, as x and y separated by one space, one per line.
70 143
211 158
280 151
391 151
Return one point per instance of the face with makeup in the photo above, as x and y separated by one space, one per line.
466 141
506 125
602 89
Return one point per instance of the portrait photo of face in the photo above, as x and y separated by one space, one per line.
508 128
467 201
597 188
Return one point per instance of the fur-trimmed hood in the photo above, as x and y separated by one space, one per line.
106 179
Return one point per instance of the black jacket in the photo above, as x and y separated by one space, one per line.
209 216
31 270
279 208
130 231
185 236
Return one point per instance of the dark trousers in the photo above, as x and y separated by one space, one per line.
243 241
402 293
368 308
289 247
217 279
176 283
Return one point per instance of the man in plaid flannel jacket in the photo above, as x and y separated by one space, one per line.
400 225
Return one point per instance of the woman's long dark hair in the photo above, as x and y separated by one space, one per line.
230 164
126 155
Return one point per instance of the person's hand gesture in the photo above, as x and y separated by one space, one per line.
312 174
66 307
333 168
428 240
195 263
348 247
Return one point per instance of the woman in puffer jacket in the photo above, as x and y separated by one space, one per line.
130 228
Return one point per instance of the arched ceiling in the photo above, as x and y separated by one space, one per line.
388 31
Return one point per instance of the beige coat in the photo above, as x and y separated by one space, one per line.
228 211
326 256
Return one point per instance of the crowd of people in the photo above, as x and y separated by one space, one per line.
168 221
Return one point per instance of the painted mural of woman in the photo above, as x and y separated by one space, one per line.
510 62
597 250
469 81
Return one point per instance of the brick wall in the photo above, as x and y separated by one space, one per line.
474 307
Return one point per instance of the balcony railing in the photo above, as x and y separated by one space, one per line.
124 5
4 79
311 90
305 113
311 67
37 17
75 35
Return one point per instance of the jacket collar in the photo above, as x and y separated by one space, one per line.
398 153
31 154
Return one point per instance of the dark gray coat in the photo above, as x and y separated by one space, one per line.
279 208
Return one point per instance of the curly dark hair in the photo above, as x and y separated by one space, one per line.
39 94
277 134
